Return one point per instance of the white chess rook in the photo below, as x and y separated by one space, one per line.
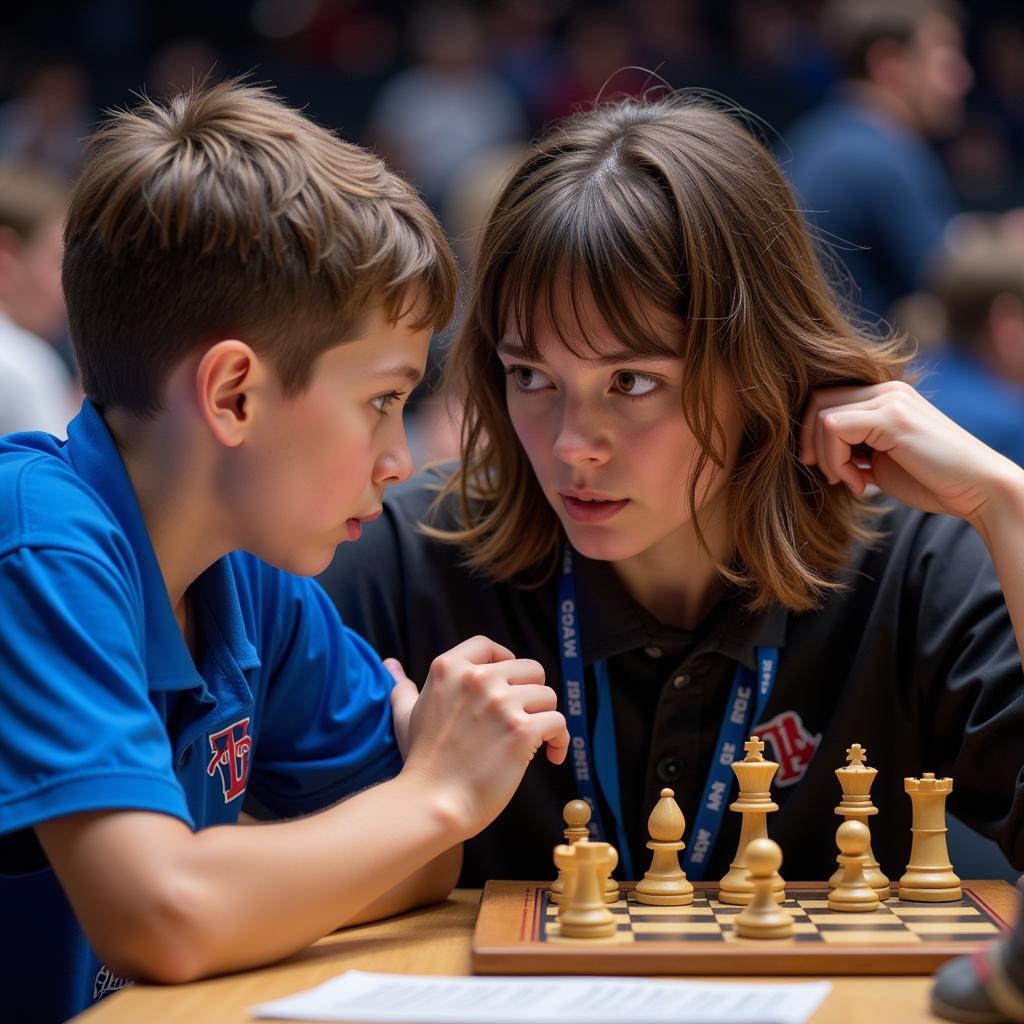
929 877
585 915
577 826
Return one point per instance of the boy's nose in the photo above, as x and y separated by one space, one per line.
394 465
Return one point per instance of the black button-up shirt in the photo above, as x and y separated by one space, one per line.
916 660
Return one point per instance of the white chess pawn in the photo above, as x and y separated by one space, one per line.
577 816
853 892
763 918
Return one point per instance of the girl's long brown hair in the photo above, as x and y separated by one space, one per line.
667 204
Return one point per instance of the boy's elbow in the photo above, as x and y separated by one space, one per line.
439 877
447 876
165 939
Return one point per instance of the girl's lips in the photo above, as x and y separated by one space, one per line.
592 511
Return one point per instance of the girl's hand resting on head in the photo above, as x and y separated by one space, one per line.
918 455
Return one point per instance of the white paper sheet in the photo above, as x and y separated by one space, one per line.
409 999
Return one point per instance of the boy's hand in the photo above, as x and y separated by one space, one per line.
481 717
918 455
403 700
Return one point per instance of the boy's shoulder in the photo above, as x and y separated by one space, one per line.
49 503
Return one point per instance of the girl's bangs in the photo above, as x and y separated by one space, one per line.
580 264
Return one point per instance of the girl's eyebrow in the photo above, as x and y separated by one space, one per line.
516 351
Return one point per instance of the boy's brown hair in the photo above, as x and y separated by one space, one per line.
667 205
222 212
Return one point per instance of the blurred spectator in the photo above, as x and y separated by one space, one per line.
599 62
472 192
673 39
978 381
180 65
861 163
434 422
523 49
779 66
46 123
987 160
430 120
981 164
35 386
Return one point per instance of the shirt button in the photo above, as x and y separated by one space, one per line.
652 652
680 681
669 769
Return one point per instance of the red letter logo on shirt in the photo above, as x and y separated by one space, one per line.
792 744
231 758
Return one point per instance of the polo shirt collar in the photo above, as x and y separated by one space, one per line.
613 623
169 666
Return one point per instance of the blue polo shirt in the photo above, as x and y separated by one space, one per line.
102 707
969 393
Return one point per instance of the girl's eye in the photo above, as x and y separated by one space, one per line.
382 402
635 385
528 379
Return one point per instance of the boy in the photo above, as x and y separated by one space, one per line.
250 300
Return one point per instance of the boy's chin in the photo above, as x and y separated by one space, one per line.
311 562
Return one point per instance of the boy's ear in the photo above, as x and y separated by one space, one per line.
228 377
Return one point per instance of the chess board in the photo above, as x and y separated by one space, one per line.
517 933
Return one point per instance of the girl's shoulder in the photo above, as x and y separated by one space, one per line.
916 549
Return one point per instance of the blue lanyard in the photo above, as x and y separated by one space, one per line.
574 693
736 724
603 767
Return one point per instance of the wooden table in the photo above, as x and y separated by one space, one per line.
433 941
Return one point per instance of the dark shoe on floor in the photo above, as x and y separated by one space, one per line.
976 990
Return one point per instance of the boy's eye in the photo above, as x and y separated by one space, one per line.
382 402
528 379
635 385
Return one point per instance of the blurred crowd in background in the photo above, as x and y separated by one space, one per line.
899 122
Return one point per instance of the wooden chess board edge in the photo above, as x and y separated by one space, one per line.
505 942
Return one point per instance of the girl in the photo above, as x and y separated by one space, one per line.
670 435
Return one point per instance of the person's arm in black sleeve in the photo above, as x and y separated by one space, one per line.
971 690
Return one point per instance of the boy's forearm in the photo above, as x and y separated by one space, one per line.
339 862
1001 525
431 884
194 904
